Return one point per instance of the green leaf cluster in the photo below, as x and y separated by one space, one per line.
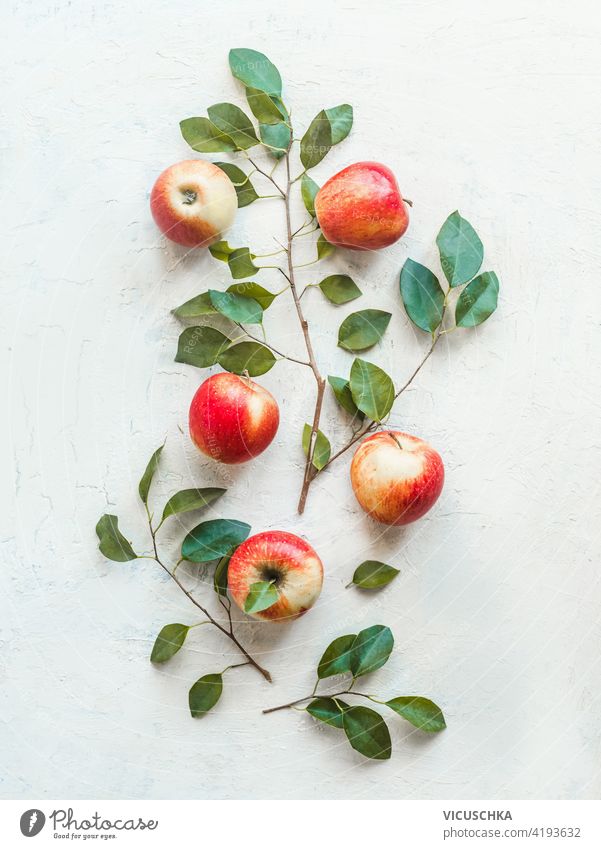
356 655
461 254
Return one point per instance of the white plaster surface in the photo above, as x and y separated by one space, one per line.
491 108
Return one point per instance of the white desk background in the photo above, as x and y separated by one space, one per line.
489 108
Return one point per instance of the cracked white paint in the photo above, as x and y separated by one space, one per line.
488 108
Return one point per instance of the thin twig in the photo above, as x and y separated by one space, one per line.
320 696
271 348
211 619
321 383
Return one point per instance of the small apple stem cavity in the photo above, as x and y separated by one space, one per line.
189 196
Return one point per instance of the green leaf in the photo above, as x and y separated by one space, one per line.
252 357
317 141
277 137
322 449
236 307
144 485
169 642
220 576
255 70
342 391
324 248
372 389
309 189
261 595
112 543
460 248
367 732
250 289
231 119
205 694
241 263
371 649
341 121
266 109
478 300
200 346
336 660
202 135
362 330
420 712
422 295
213 539
340 288
187 500
221 250
328 710
195 307
372 574
244 188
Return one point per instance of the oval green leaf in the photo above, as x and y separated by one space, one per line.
202 135
276 137
261 595
200 346
367 732
309 189
342 391
336 660
236 307
321 450
328 710
244 188
241 263
317 141
460 248
220 576
195 307
478 300
250 289
230 119
205 694
340 288
362 330
266 109
252 357
372 389
255 70
169 642
221 250
324 248
187 500
146 480
341 121
420 712
111 541
371 649
213 539
422 295
372 574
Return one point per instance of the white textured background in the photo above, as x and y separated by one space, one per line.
491 108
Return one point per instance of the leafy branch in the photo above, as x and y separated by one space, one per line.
356 655
211 541
368 394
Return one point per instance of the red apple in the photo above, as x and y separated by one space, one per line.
396 477
361 207
232 418
193 202
286 560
